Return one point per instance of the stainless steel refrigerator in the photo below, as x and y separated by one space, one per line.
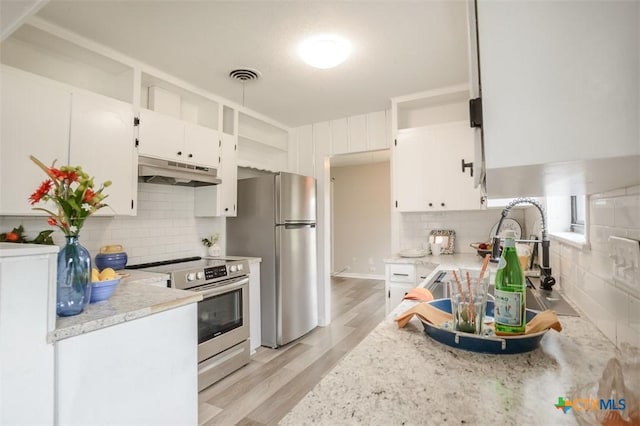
277 221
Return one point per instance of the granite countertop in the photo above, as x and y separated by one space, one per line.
135 297
460 260
402 376
248 258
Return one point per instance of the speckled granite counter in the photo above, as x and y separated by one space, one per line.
461 260
250 259
402 376
135 297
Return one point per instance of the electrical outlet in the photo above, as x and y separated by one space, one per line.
625 253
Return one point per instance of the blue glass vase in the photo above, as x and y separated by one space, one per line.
74 278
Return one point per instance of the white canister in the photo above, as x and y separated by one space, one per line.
214 250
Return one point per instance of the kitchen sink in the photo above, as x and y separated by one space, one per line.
537 299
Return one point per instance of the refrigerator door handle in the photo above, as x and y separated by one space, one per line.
299 225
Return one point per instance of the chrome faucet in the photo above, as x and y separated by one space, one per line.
546 280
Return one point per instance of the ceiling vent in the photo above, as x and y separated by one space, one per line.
244 75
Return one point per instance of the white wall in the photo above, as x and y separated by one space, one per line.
586 274
164 228
361 218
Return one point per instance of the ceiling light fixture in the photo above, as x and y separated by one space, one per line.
324 51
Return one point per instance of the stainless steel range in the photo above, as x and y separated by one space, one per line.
223 314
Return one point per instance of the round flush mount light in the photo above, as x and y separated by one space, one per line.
324 51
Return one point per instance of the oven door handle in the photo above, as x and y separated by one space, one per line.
225 288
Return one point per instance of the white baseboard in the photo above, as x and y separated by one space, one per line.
360 276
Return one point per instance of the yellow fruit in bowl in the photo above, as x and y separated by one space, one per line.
95 275
108 274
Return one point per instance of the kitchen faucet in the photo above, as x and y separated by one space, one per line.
547 281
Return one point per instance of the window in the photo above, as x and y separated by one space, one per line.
577 213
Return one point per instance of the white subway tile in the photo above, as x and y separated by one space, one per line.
627 211
602 212
614 193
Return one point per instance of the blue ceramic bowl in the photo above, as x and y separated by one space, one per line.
111 260
102 290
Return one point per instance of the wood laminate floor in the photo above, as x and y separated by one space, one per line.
265 390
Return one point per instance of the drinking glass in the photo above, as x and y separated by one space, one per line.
468 299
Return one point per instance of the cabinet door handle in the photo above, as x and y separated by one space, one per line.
430 204
400 275
179 152
467 165
442 204
190 155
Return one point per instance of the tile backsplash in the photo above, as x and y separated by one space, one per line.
164 228
586 274
470 226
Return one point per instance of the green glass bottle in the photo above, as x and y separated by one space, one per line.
510 292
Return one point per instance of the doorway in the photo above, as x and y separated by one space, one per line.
360 192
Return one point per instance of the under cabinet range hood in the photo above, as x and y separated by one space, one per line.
154 170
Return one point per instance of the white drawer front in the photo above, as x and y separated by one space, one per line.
402 273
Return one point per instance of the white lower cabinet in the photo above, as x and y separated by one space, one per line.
400 278
142 371
27 315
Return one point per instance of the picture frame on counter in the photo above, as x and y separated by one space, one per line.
444 236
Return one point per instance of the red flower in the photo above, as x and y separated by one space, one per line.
12 236
69 176
88 195
56 173
52 221
42 190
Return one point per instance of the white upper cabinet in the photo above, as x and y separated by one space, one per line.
433 139
160 136
52 121
377 131
102 142
428 169
560 93
201 145
228 172
169 138
221 200
34 121
360 133
339 136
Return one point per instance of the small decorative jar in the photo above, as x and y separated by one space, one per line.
214 250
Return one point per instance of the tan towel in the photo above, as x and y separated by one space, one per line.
425 311
429 313
420 294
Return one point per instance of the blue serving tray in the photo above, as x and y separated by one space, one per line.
480 343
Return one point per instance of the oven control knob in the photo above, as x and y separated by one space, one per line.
200 275
191 276
240 267
233 268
